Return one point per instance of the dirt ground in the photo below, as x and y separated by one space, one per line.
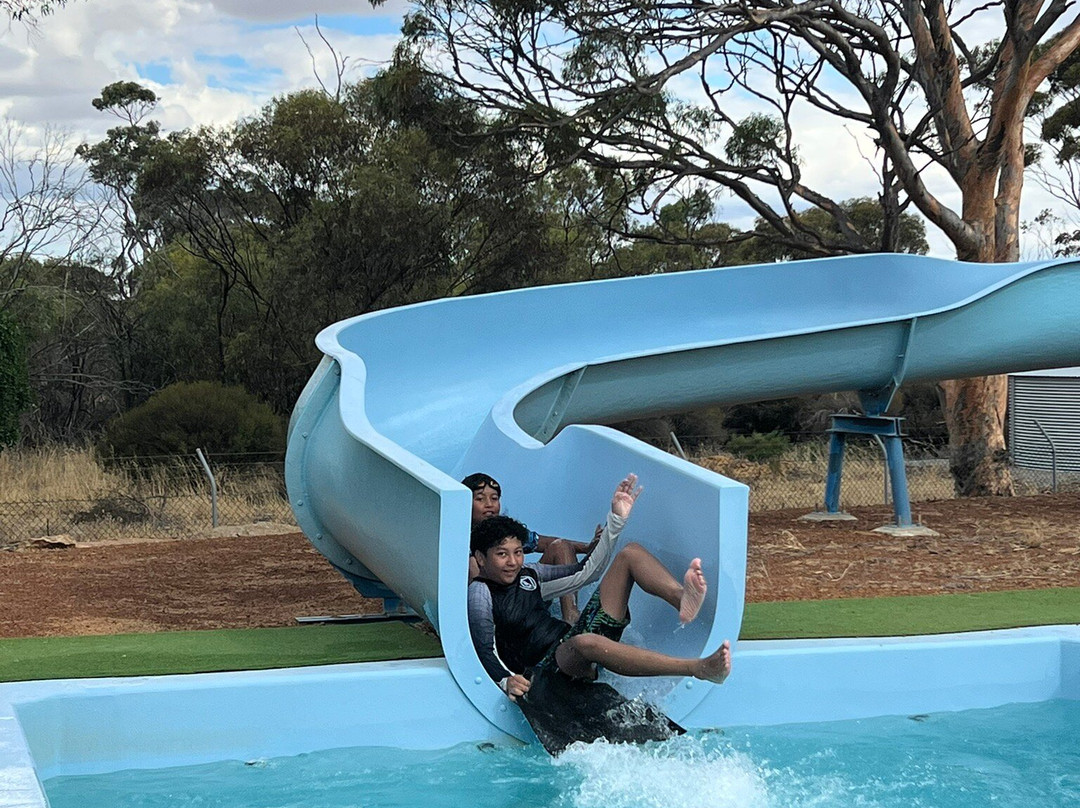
269 580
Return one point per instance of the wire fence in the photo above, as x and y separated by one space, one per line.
140 497
170 497
795 476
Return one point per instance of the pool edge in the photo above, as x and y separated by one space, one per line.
44 725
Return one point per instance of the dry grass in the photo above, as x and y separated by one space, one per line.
69 491
52 473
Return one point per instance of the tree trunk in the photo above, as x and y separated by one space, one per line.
975 417
975 408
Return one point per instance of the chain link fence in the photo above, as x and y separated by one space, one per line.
141 497
171 497
795 478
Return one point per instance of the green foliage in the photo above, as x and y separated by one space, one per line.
863 216
761 448
184 330
125 95
756 140
198 415
1061 128
14 380
781 415
684 236
116 161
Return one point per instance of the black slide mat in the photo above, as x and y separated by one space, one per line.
562 711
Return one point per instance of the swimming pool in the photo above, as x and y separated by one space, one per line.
1020 754
75 728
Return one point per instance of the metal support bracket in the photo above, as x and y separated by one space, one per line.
559 406
876 402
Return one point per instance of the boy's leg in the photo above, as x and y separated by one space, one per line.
577 655
635 565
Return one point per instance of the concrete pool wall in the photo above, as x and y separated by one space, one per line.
98 725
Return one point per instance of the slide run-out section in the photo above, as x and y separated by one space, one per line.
519 384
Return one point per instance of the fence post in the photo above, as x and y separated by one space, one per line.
884 467
678 446
1053 457
213 487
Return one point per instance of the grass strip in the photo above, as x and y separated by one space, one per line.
259 649
910 615
204 651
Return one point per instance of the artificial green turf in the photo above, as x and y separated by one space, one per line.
259 649
904 616
202 651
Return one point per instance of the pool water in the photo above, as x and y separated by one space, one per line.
1020 755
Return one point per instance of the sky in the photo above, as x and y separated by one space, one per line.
213 61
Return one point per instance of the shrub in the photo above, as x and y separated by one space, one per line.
761 448
765 417
187 416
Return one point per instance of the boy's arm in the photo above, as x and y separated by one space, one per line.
565 579
622 502
482 630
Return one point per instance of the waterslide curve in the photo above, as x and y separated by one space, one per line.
407 401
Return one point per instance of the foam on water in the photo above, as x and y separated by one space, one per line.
685 771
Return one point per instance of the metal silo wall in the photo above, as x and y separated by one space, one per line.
1053 402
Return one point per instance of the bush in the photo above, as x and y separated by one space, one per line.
779 415
195 415
761 448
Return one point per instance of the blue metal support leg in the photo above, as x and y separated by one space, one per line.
894 456
835 472
889 430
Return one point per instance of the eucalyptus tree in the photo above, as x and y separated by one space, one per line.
670 92
318 207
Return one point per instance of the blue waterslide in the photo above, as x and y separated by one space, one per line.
518 384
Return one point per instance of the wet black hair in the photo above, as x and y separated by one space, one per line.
474 482
492 531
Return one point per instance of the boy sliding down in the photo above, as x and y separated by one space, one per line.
513 631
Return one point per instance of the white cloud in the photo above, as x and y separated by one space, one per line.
210 62
288 10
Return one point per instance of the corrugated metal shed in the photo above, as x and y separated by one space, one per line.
1052 399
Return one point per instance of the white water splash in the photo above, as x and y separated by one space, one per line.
681 773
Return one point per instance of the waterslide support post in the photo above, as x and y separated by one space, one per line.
555 417
894 456
837 439
885 428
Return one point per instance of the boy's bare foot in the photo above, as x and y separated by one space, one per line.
693 595
715 668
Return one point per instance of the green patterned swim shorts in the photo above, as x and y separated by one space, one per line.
593 620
